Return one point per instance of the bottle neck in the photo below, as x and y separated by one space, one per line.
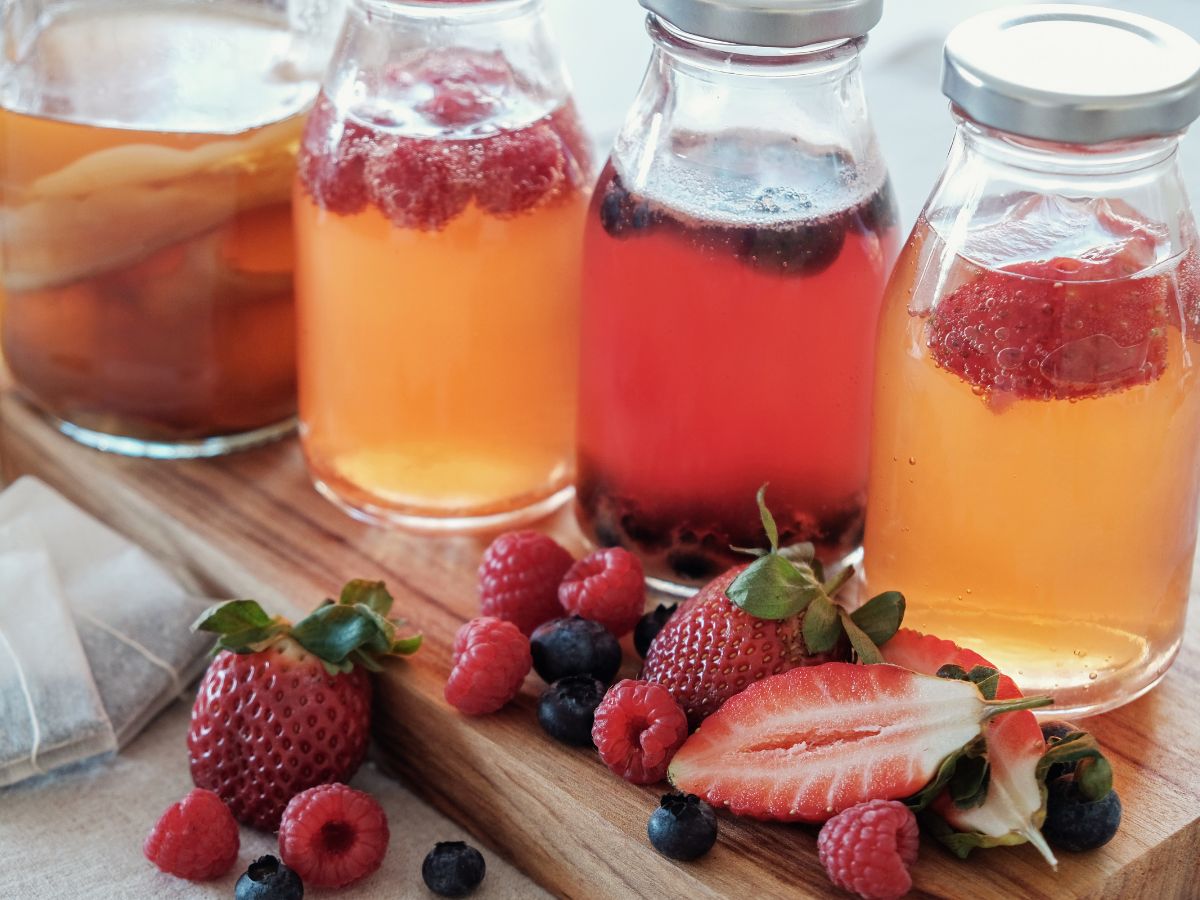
437 68
693 56
1062 162
446 13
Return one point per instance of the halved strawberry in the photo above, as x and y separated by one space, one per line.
807 744
1015 805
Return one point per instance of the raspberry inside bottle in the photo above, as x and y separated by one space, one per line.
1034 469
735 257
439 210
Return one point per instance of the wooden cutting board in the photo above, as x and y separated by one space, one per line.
251 525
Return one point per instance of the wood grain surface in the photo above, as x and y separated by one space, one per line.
251 525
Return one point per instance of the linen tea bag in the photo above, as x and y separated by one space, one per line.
50 711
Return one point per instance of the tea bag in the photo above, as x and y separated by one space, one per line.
131 616
50 711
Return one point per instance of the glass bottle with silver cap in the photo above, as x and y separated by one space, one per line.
1034 472
734 261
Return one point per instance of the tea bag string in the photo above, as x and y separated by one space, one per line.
33 719
176 685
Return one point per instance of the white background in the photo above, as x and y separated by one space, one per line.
606 48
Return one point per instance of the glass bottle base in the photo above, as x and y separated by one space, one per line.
202 448
1107 691
361 506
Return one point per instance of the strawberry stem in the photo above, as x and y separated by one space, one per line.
999 707
838 581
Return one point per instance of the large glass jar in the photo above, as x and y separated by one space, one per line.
1034 474
735 257
147 150
439 212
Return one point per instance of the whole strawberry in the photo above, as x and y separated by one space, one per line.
286 707
759 620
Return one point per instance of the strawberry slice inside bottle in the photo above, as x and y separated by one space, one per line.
1062 327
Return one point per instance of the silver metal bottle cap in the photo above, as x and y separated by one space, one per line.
770 23
1079 74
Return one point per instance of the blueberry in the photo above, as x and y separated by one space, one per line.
1057 729
269 879
649 626
568 707
574 646
800 249
621 213
683 827
879 213
1074 823
453 869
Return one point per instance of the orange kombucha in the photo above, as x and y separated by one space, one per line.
1047 519
438 315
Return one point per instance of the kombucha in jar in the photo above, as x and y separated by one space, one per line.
1034 473
439 216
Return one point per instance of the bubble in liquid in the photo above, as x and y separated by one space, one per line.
912 460
1092 676
1080 653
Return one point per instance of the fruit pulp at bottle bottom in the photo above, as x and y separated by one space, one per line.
437 381
706 372
1055 537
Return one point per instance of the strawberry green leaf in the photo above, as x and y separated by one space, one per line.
232 616
880 617
1095 779
962 843
332 633
407 646
768 520
251 640
373 594
969 785
749 551
773 588
986 679
822 626
818 569
868 653
838 581
953 672
945 772
799 553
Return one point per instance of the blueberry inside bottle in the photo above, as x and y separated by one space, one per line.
734 260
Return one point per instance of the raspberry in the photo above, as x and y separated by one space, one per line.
421 183
333 835
521 169
519 578
638 727
868 848
332 160
608 587
491 660
196 838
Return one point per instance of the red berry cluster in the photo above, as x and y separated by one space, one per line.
526 579
423 183
330 835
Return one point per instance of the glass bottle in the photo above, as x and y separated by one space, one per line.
1034 473
439 210
735 257
147 151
